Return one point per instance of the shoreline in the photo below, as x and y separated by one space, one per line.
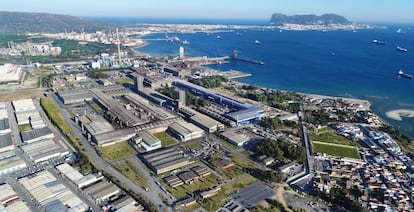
399 114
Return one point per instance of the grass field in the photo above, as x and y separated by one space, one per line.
215 202
330 136
116 151
335 150
231 172
24 127
242 162
96 107
187 189
165 139
127 169
125 80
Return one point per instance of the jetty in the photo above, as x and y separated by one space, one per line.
235 56
234 74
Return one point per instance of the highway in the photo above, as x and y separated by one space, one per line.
151 194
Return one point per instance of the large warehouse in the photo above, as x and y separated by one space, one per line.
165 160
148 141
10 72
241 113
44 150
185 131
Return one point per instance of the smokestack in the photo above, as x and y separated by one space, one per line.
119 47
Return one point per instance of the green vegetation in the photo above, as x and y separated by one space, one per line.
11 37
210 81
85 164
330 136
196 101
275 123
96 107
188 189
335 149
274 206
277 99
231 172
132 173
165 139
24 127
72 49
97 74
168 91
215 202
281 149
126 80
338 196
242 162
116 151
403 140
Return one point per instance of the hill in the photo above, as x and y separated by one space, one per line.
21 22
326 19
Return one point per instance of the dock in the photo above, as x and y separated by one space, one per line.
234 74
235 56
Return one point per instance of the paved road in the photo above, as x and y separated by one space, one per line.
23 194
152 195
83 196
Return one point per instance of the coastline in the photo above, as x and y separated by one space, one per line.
398 115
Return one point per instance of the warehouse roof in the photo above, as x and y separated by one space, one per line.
5 140
148 138
184 128
35 133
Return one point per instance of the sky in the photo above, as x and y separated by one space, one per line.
354 10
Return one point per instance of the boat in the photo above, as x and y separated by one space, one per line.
239 34
401 49
400 30
218 37
257 42
402 74
378 42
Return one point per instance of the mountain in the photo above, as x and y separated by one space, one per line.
21 22
326 19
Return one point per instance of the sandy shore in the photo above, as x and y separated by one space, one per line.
398 114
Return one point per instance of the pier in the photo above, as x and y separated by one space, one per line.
234 74
235 56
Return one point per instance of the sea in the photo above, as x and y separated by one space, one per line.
336 63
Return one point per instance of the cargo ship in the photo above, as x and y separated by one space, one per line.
402 74
401 49
378 42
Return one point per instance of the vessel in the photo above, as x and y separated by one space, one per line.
401 49
257 42
218 37
402 74
400 30
378 42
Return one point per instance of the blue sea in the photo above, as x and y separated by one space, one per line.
337 63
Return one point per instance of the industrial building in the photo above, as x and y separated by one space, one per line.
4 119
74 96
52 194
240 112
206 123
44 150
26 113
113 137
235 138
185 131
76 177
148 141
10 72
10 201
102 191
93 124
126 204
3 111
172 70
11 164
34 135
165 160
7 154
173 181
6 143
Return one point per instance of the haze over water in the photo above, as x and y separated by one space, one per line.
337 63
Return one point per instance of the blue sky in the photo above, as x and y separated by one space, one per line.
355 10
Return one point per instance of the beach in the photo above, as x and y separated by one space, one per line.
398 114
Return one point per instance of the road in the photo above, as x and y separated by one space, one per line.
83 196
152 194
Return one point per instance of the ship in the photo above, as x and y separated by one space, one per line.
400 30
402 74
401 49
378 42
218 37
257 42
239 34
